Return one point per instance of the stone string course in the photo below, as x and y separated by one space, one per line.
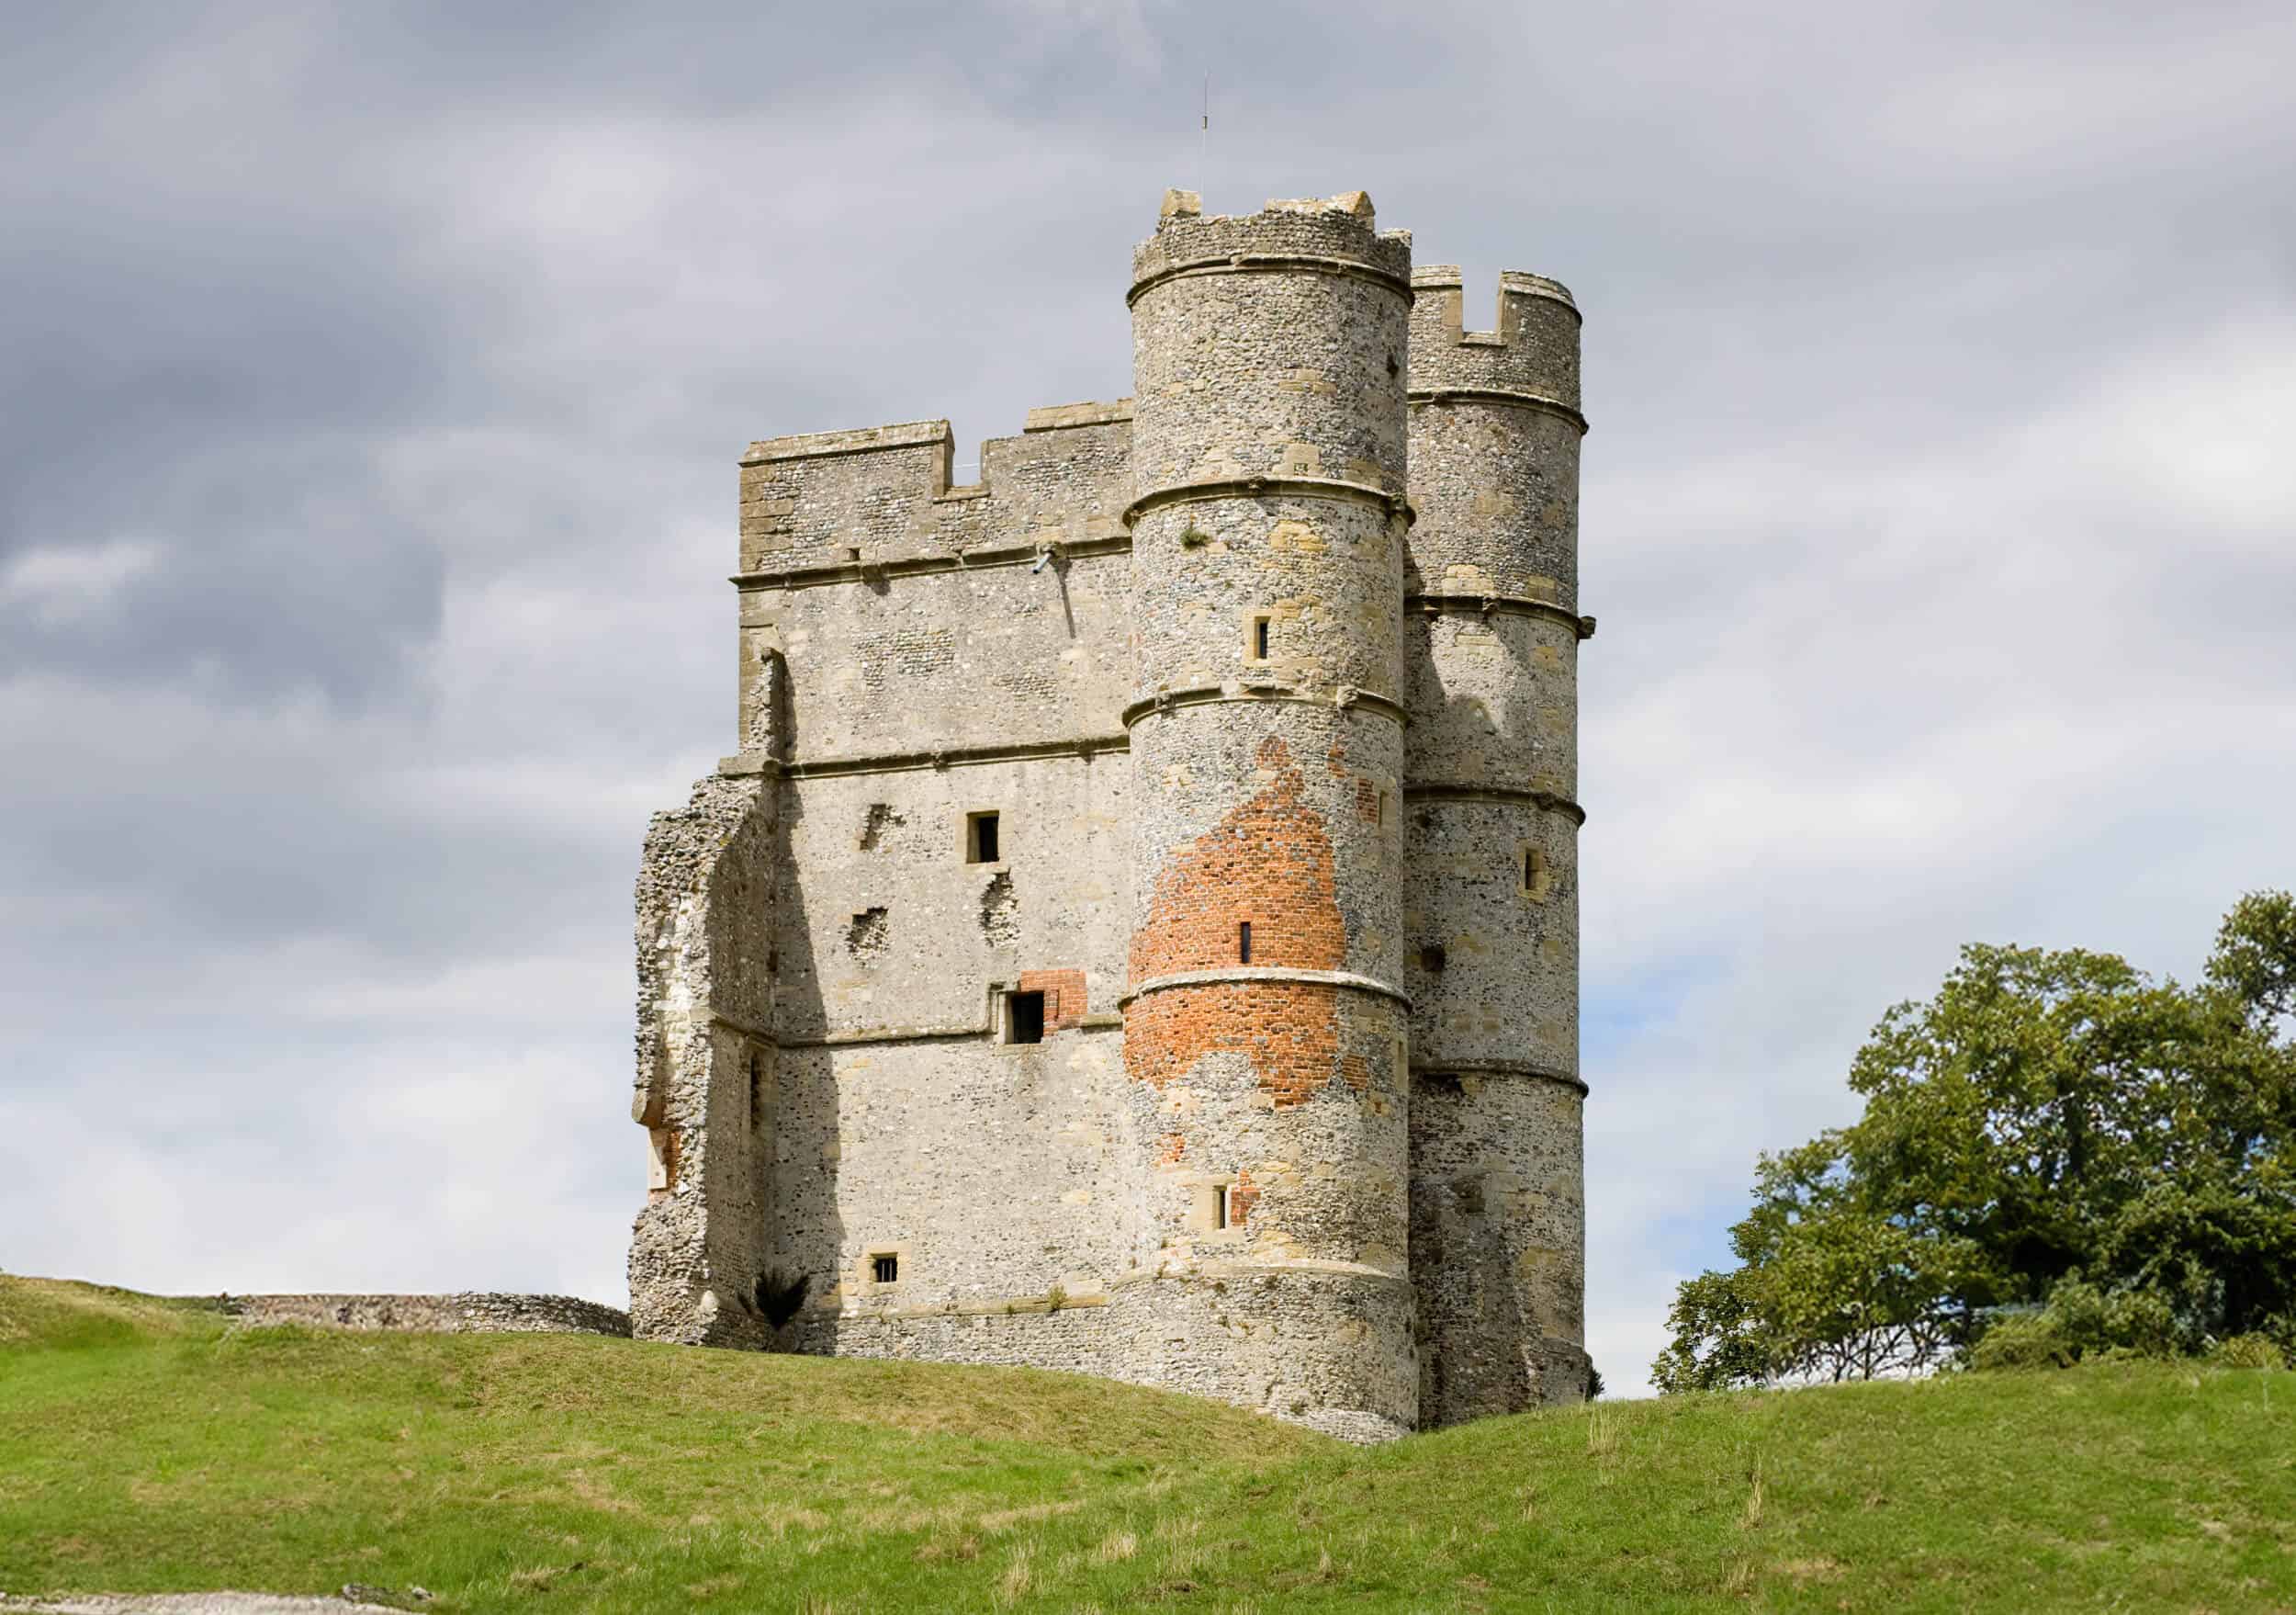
1288 640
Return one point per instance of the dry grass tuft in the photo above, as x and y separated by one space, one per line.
1004 1518
1018 1577
1602 1432
1804 1571
1178 1527
955 1549
538 1577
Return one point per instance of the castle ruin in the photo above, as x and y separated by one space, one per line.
1138 931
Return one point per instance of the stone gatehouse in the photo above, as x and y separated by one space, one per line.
1137 932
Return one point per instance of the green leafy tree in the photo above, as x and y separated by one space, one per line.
2047 1118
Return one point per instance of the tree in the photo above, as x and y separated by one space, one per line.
2046 1117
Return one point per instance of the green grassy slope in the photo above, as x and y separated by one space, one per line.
146 1446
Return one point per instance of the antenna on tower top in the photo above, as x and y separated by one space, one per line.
1203 153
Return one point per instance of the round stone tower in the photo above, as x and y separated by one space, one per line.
1490 915
1265 1024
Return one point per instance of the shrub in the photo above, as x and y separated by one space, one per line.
779 1294
2250 1350
2080 1322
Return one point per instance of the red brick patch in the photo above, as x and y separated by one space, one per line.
1064 993
1290 1029
1241 1198
1268 862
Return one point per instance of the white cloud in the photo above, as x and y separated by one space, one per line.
58 586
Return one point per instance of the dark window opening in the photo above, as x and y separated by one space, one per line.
1218 1205
1431 957
1259 637
884 1268
1244 942
757 1091
981 839
1024 1017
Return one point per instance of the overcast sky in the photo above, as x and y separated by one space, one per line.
373 383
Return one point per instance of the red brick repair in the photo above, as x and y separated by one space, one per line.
1268 862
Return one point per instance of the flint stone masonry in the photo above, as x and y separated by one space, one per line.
468 1313
1284 645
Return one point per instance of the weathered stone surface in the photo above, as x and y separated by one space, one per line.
1491 919
1286 641
469 1313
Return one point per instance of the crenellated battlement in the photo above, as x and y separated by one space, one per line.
1341 233
858 440
1062 417
1440 277
880 493
1532 347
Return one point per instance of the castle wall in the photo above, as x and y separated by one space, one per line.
914 616
952 651
1492 697
706 1082
465 1312
888 929
1498 1234
995 1175
995 656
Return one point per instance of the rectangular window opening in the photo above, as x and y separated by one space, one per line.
885 1268
1536 876
1218 1205
1259 638
981 838
1024 1017
1244 942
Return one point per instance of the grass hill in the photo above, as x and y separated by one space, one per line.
147 1445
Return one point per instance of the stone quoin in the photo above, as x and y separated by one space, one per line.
1137 932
